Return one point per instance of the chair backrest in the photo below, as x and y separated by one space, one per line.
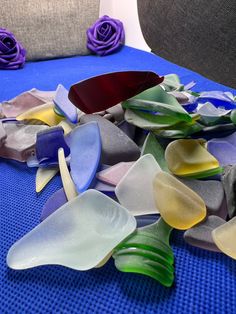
200 35
50 28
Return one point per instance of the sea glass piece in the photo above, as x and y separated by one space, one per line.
224 238
116 145
65 106
68 184
178 205
20 141
181 97
107 90
21 103
115 173
209 110
117 112
135 190
149 121
147 251
201 235
223 149
66 126
43 177
212 193
127 128
171 82
3 134
85 148
155 99
153 147
44 113
188 157
79 235
218 99
55 201
229 183
104 187
219 130
47 145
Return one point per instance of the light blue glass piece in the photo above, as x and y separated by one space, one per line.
64 105
85 148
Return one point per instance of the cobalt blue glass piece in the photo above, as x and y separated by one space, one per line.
218 99
85 148
47 144
65 105
190 107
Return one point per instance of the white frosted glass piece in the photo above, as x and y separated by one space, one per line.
135 190
79 235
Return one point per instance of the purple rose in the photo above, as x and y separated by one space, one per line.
105 36
12 54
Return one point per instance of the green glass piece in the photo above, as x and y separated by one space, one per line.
136 117
152 146
157 100
147 251
205 174
233 116
180 130
171 82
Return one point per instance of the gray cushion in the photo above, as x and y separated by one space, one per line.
50 28
200 35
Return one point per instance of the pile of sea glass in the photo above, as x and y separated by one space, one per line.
128 146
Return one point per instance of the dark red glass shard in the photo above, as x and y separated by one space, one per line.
104 91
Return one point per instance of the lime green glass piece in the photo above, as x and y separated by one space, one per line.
157 100
147 251
153 147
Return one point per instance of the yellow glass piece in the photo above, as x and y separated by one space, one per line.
43 176
66 127
224 237
178 205
187 156
44 113
67 182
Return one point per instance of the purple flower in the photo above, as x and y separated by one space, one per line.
105 36
12 54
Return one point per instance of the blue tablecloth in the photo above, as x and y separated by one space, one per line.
205 282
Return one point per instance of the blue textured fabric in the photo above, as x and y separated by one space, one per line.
205 282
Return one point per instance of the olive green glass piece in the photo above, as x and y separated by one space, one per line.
147 251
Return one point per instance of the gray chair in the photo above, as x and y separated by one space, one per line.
199 35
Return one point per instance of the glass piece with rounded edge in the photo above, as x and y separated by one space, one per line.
68 184
178 205
187 157
79 235
44 113
224 238
147 251
85 147
201 235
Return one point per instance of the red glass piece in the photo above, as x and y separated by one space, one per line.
104 91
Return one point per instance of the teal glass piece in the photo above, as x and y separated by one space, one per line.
147 251
153 147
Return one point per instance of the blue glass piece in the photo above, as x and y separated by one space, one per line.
190 107
85 148
64 105
218 99
47 144
55 201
